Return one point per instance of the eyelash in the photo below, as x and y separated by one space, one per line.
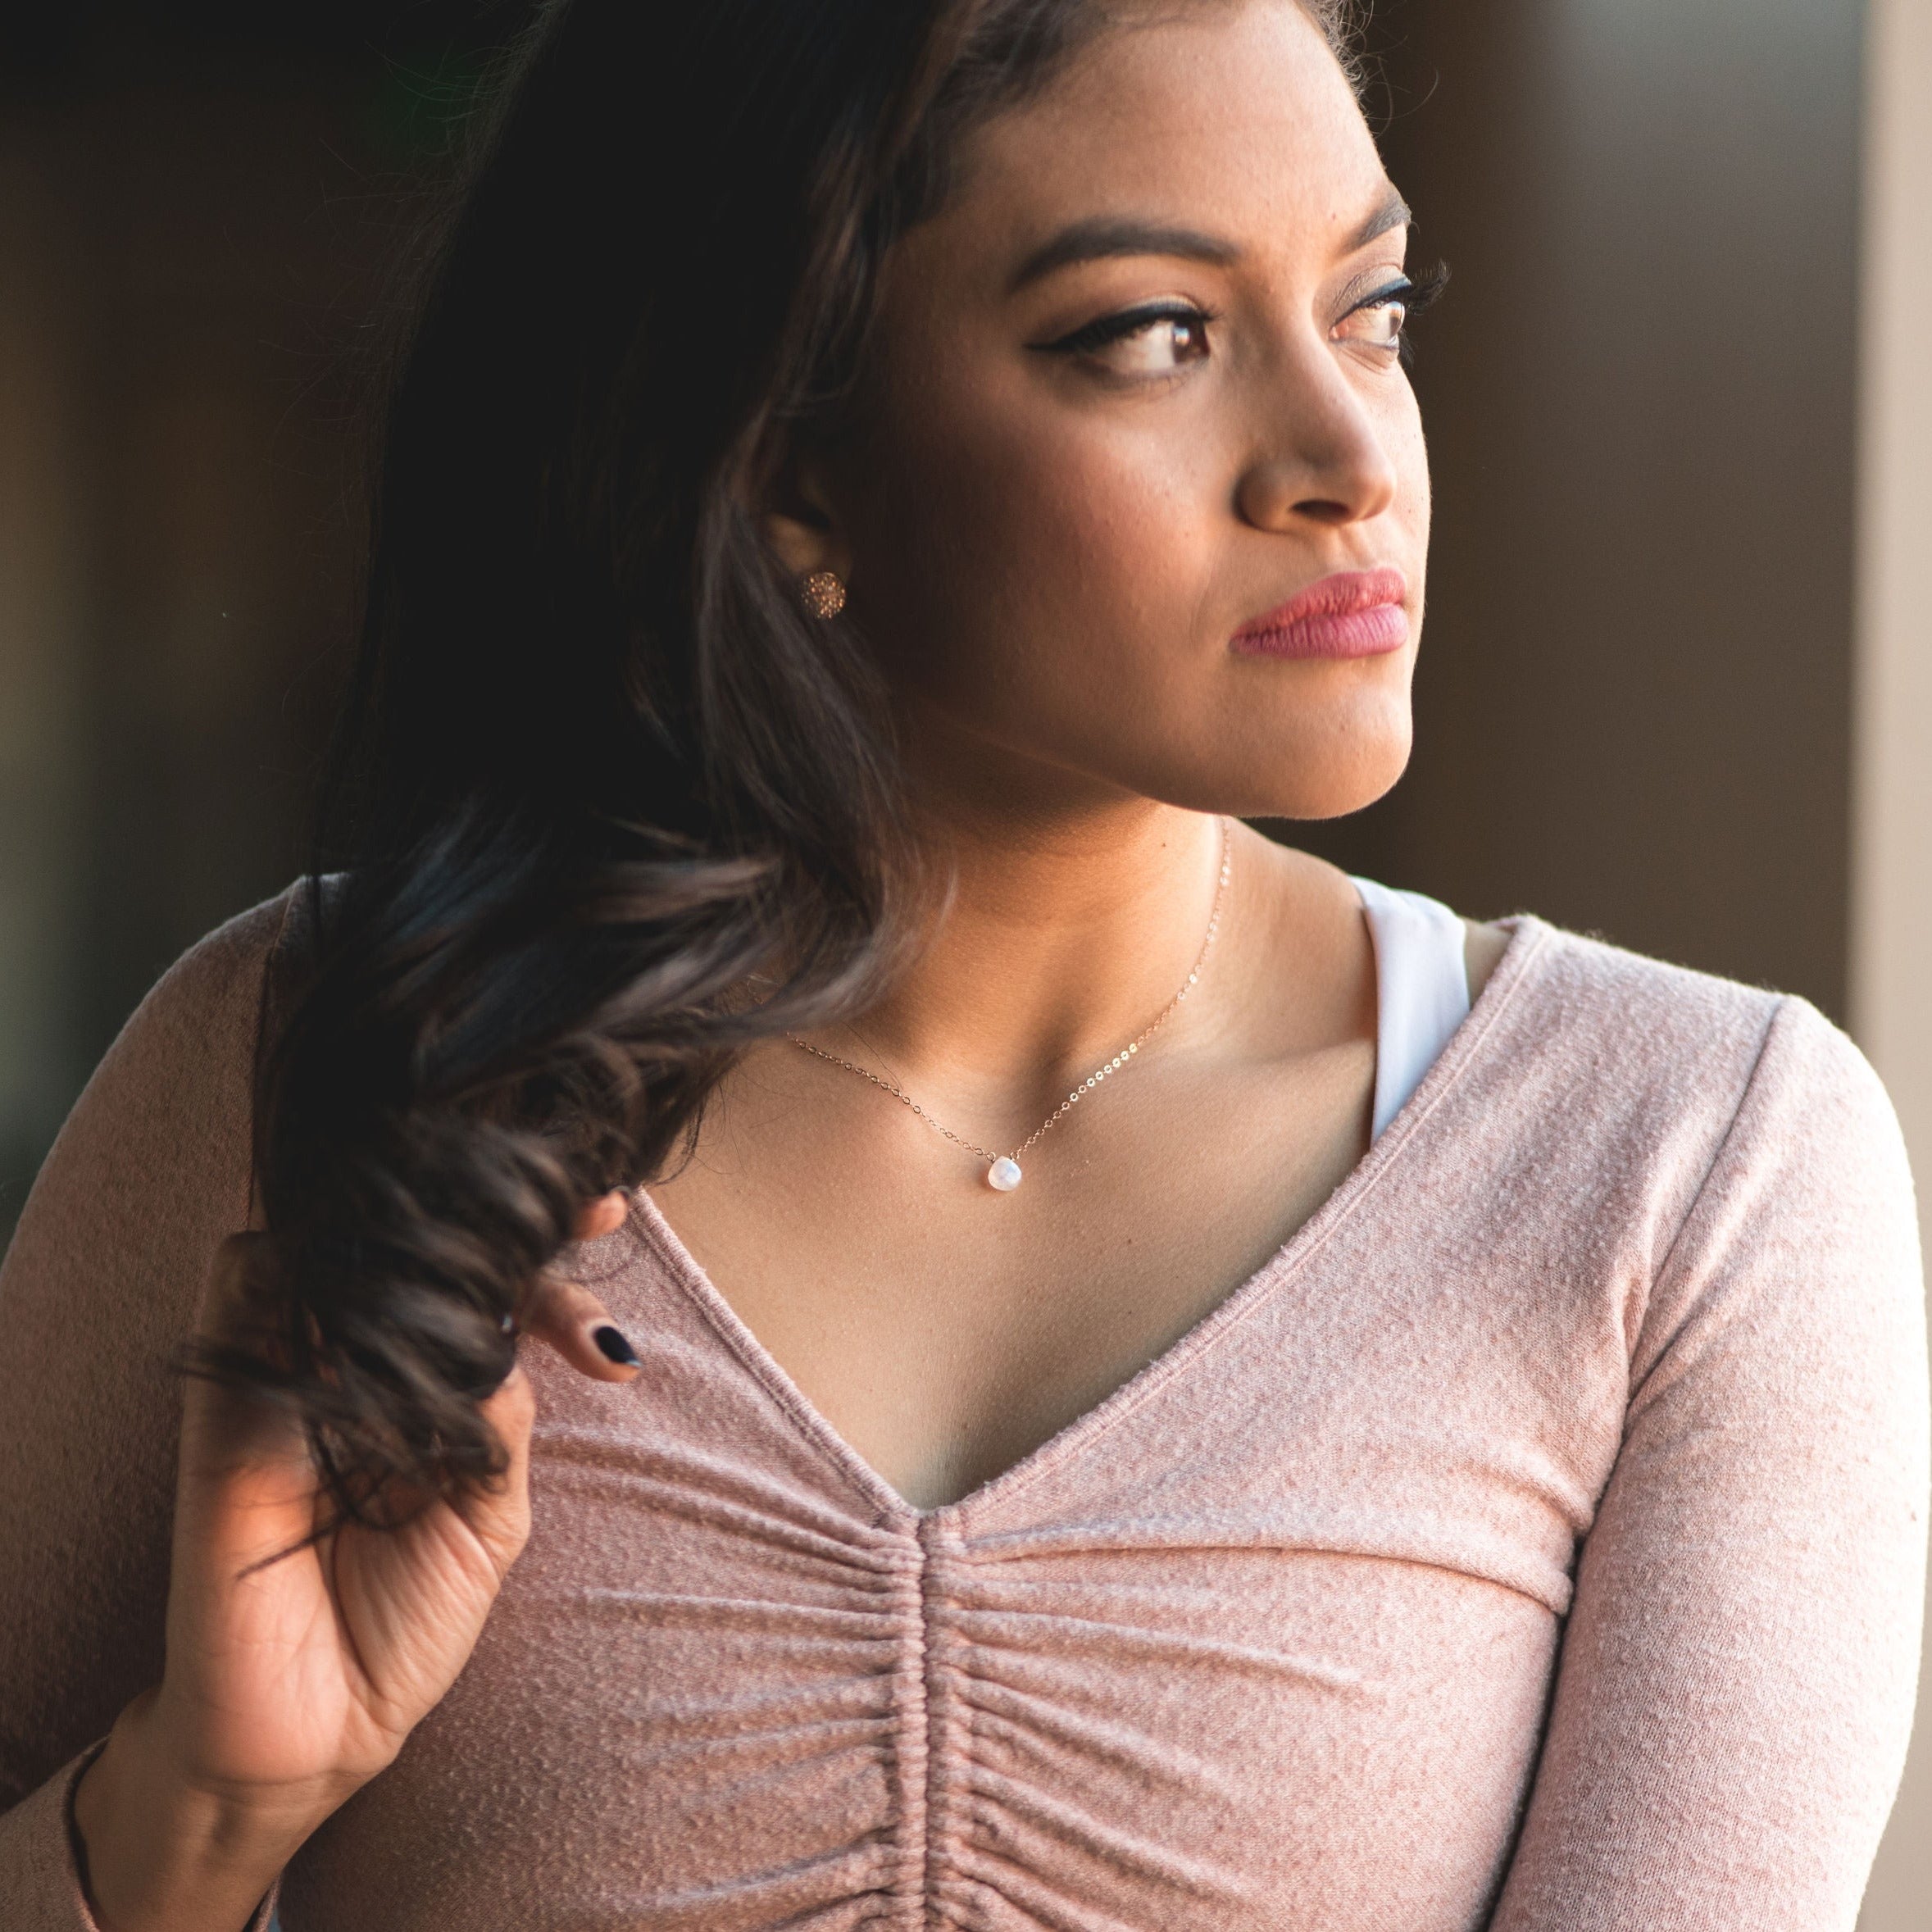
1112 329
1416 296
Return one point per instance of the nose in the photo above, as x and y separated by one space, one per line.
1325 462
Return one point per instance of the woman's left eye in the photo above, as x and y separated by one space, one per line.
1378 322
1141 342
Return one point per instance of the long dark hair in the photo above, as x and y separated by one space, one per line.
600 770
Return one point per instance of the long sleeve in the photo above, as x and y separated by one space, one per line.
1731 1711
104 1279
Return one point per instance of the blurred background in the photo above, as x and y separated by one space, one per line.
1677 686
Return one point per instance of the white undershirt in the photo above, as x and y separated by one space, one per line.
1421 990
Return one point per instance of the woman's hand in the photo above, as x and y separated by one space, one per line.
287 1688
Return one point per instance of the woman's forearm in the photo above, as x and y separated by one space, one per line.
157 1854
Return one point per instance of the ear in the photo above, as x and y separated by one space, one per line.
798 520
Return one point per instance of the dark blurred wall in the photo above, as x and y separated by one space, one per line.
198 204
1634 703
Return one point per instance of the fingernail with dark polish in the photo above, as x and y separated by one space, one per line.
616 1348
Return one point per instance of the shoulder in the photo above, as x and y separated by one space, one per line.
1590 977
1586 1057
1686 1162
1711 1075
205 1012
223 970
154 1165
174 1093
1626 1008
1605 1017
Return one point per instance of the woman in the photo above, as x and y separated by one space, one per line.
1151 1384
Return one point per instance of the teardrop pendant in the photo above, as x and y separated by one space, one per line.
1004 1174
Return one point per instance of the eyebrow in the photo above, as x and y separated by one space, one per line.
1393 213
1101 237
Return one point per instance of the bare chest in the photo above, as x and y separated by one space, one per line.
944 1330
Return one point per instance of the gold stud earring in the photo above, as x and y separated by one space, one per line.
824 595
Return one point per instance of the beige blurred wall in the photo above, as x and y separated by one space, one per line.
1891 926
1633 702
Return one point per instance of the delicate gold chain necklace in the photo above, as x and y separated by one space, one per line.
1003 1171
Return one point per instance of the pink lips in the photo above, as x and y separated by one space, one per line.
1356 614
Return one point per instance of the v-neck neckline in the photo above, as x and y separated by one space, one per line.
647 1223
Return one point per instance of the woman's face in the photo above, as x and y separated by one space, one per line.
1136 386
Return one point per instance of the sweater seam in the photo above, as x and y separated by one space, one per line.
1669 1260
938 1795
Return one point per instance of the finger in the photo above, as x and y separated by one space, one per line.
578 1327
603 1216
498 1514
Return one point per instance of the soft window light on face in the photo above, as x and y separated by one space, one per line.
1138 384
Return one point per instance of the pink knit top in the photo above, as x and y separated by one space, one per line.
1536 1541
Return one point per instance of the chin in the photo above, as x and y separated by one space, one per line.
1310 771
1287 760
1318 784
1322 796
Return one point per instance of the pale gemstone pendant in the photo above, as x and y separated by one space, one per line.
1004 1174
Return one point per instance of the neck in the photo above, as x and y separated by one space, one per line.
1067 932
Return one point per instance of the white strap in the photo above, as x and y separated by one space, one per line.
1421 990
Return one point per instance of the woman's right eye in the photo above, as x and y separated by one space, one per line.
1143 342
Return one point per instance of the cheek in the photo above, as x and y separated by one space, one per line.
1413 504
1033 558
1060 585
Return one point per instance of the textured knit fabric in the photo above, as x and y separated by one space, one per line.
1421 991
1536 1541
